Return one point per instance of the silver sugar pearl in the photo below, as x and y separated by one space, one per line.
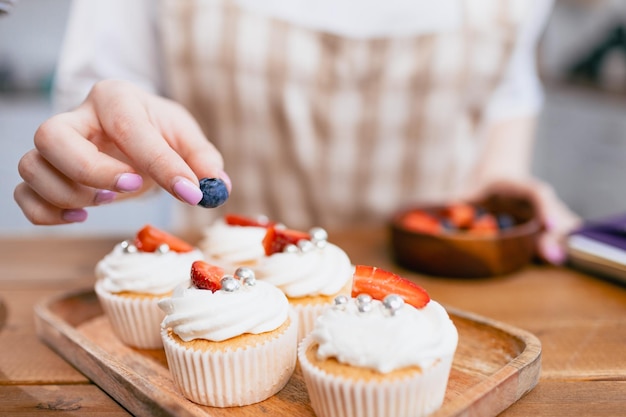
318 234
393 303
290 249
128 247
340 301
262 219
230 284
305 245
246 275
163 248
280 226
320 244
364 302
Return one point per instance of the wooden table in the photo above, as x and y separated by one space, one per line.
580 320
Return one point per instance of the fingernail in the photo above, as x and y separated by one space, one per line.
554 254
549 224
129 182
187 191
74 215
104 197
224 176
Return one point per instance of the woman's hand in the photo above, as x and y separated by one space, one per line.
504 168
557 219
119 142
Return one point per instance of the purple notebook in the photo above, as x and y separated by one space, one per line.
611 231
599 247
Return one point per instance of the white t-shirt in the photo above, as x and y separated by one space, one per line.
118 39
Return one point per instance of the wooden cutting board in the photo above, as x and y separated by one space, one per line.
495 364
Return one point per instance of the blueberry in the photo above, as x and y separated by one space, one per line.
505 221
214 192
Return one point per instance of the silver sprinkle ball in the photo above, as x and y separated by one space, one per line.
262 219
163 248
246 275
318 234
128 247
290 248
340 301
393 303
364 302
230 284
305 245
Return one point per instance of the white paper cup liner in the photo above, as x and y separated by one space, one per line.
135 321
233 377
333 396
307 313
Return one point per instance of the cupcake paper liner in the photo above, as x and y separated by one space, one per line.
136 321
307 313
229 378
333 396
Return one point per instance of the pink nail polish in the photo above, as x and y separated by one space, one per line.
104 197
555 254
129 182
187 191
74 215
549 224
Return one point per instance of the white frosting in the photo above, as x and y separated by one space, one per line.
231 245
380 341
144 272
319 271
193 313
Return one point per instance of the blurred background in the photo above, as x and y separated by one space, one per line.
581 143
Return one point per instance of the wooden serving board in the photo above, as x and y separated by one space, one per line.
495 364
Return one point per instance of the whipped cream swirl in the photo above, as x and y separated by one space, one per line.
194 313
231 245
318 271
144 272
384 342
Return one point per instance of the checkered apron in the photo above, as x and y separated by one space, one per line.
322 130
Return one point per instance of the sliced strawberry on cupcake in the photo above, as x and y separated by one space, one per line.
150 238
277 239
206 276
378 283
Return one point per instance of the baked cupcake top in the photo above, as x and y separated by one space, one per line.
234 240
303 263
217 307
155 262
395 326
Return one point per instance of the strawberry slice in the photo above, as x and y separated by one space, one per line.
460 214
486 225
379 283
237 220
422 222
275 239
150 238
206 276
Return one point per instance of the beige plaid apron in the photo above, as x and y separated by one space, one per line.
317 129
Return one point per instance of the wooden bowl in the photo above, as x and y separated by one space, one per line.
461 254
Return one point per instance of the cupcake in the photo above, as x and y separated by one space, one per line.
387 351
229 340
234 240
134 276
309 269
